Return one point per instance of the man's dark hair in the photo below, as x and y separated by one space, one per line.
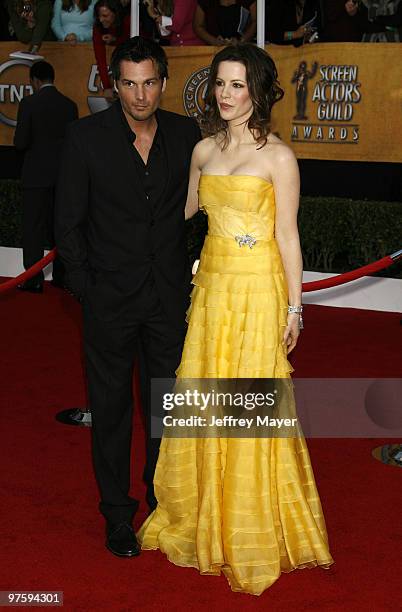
43 71
138 49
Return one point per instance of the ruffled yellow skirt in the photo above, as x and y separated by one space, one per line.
246 507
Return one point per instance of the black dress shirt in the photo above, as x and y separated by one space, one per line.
152 175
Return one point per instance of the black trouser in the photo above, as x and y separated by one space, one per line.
110 349
37 229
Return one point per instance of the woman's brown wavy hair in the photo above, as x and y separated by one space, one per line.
263 86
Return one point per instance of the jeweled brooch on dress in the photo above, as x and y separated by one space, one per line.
245 239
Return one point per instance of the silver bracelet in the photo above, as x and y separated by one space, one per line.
298 309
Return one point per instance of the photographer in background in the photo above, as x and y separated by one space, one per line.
224 22
5 33
380 20
291 22
30 20
340 21
41 124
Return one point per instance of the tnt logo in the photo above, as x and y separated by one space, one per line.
14 85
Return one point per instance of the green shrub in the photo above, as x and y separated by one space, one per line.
336 234
10 213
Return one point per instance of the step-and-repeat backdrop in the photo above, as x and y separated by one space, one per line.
342 101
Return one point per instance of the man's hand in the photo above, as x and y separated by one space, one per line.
351 8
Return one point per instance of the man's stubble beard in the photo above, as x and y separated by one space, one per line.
142 117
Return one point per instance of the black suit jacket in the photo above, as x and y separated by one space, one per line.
107 233
41 125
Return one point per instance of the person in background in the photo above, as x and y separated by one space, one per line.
4 22
73 20
287 21
340 23
41 124
147 23
125 6
380 20
222 22
110 28
174 19
30 20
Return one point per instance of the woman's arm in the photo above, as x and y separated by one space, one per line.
286 181
195 173
43 15
182 14
199 27
252 27
100 55
56 21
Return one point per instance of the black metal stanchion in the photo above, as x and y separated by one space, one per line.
384 407
390 454
80 417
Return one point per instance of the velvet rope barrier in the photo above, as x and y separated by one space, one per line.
21 278
346 277
325 283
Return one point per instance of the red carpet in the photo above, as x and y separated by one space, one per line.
52 534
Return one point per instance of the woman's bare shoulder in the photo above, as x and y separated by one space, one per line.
203 149
278 150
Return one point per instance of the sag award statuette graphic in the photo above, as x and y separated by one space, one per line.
325 107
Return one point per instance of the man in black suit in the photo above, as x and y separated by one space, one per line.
121 234
41 125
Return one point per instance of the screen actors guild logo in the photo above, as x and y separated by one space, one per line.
334 97
301 77
194 92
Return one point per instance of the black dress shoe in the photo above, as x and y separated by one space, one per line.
121 540
32 288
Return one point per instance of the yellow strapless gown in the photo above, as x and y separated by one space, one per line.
247 507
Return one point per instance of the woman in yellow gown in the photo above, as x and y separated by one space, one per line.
246 507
